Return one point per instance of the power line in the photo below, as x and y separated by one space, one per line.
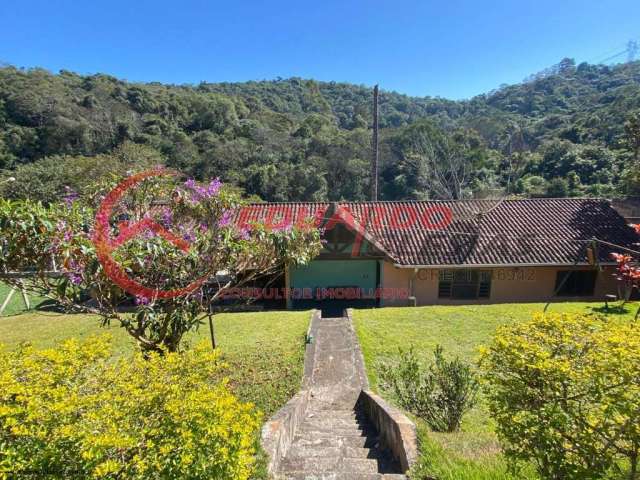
614 52
631 48
608 59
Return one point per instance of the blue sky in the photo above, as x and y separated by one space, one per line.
449 48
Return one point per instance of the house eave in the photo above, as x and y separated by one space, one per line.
503 265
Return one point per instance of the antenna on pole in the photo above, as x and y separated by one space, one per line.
374 147
632 50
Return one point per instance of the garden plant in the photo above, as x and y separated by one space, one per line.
172 248
563 390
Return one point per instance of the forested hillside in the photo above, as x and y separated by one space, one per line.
572 130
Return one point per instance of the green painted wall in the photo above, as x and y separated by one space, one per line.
335 273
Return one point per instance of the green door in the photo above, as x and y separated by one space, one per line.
334 284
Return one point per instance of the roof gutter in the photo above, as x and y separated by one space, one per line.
499 265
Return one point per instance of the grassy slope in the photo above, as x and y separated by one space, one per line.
16 304
265 350
473 453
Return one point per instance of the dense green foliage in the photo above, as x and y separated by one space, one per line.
440 394
563 390
74 412
558 133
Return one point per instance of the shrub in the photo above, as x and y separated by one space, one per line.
74 412
564 392
440 394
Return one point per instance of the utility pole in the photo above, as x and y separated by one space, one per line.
374 147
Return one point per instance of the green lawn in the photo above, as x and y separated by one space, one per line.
16 304
265 350
474 452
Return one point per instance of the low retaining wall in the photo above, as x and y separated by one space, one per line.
277 434
396 432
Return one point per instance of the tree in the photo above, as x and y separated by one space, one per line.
572 117
47 179
557 188
150 240
431 163
632 131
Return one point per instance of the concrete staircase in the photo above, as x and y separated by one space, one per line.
323 432
342 442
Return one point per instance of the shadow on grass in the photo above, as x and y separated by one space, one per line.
616 309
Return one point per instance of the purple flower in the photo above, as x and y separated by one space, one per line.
70 196
225 219
167 217
201 193
198 295
74 277
214 187
244 234
140 300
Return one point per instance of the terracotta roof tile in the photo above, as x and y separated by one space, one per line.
480 232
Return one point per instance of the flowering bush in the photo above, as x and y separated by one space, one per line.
564 390
73 412
627 271
150 236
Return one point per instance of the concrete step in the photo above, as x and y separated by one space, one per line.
335 413
302 451
313 431
342 476
336 423
321 465
358 441
332 415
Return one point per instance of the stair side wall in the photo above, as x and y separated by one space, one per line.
278 433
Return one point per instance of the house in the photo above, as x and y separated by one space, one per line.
453 252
